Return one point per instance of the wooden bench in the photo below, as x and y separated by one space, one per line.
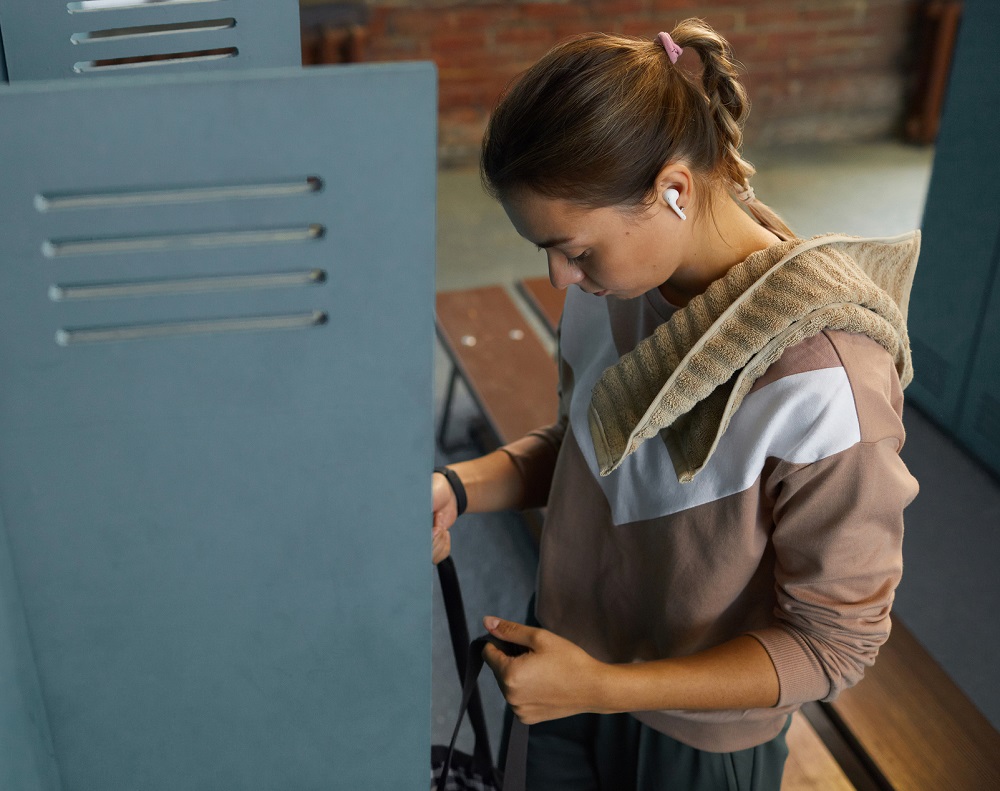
911 725
508 372
905 726
545 300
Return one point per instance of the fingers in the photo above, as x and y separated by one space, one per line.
512 632
440 546
445 512
496 660
506 672
499 655
443 503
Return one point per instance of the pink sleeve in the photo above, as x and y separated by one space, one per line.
838 559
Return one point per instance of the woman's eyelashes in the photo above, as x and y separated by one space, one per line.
570 259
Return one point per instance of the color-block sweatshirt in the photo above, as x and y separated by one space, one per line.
791 532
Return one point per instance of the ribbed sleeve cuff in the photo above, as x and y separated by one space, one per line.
800 676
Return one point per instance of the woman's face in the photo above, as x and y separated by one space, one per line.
607 251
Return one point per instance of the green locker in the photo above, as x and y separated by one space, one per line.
979 424
951 309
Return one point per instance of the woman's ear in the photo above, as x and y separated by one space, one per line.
676 176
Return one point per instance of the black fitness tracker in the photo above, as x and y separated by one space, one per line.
456 487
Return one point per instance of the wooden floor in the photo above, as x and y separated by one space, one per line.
810 766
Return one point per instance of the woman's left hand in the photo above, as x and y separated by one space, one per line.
553 679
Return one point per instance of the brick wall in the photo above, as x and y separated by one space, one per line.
816 69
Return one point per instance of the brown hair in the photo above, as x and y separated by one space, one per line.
596 119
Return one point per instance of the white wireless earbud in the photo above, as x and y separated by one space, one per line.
670 196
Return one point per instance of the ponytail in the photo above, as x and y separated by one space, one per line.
728 106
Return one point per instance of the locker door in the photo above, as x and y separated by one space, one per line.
59 39
27 762
215 422
961 222
979 428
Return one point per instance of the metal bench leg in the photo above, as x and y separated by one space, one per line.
446 414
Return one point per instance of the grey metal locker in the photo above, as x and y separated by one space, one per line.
215 427
59 39
958 262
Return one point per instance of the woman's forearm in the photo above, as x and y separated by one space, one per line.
556 678
738 674
492 482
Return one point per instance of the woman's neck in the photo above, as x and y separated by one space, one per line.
720 241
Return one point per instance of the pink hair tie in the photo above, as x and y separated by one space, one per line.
673 51
744 194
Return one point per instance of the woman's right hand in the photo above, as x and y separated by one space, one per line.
445 508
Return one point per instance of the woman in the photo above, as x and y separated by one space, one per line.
723 485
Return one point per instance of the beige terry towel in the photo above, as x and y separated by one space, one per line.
689 377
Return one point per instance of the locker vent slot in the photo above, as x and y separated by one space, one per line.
55 248
143 61
988 419
146 31
71 337
194 285
118 5
930 368
154 197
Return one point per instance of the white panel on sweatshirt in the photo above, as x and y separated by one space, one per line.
800 418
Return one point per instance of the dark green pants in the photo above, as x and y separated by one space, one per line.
616 752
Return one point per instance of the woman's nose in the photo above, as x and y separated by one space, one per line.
562 273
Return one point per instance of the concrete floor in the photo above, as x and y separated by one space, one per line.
948 596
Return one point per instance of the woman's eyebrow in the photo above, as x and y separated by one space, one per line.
552 243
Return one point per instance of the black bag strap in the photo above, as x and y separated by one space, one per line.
469 661
459 631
